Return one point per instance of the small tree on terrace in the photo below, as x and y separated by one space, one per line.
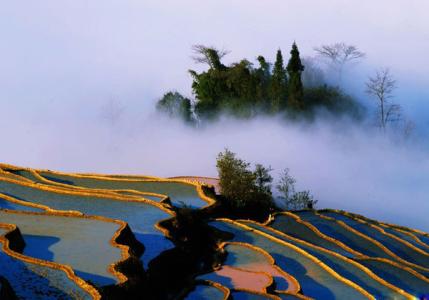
293 200
242 187
286 187
235 178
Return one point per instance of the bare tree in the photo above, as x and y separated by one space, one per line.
381 86
338 55
208 55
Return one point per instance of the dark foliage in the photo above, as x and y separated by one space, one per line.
278 92
247 191
135 286
243 90
175 105
196 252
333 100
6 291
295 88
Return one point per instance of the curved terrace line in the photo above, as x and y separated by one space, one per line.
65 268
226 291
381 259
304 253
375 242
382 231
236 275
337 255
268 296
114 192
293 284
125 250
315 230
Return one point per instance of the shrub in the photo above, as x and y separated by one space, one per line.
244 189
293 200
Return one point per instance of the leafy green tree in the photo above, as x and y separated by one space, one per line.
295 87
210 87
221 88
239 98
278 88
243 188
176 106
235 178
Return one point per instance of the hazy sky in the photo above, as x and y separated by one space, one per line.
75 52
78 81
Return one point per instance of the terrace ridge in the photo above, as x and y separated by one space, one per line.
347 260
304 253
9 241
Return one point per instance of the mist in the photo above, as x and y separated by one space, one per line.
344 165
79 81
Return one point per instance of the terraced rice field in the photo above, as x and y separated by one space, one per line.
64 236
31 280
250 258
6 204
405 279
316 280
373 252
342 233
180 193
206 291
249 295
234 278
406 236
82 243
141 216
402 251
206 180
345 267
288 223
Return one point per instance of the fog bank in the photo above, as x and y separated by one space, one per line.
343 165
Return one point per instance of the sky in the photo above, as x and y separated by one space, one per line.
77 52
79 79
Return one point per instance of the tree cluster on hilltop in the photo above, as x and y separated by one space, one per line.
244 90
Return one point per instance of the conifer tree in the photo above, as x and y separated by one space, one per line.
295 87
263 79
278 89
